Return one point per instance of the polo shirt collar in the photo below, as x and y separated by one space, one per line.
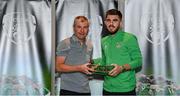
75 39
120 31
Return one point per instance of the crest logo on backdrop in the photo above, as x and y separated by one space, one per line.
157 29
157 23
19 27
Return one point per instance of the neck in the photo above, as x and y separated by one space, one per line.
81 41
113 33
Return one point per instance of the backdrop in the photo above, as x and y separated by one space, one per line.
25 46
155 23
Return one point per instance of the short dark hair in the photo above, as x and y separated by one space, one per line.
114 12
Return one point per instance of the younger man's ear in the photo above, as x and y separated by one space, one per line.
121 24
105 22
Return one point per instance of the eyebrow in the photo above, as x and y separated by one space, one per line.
112 19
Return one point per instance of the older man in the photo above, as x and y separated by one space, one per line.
73 57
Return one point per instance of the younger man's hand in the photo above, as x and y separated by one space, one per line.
116 70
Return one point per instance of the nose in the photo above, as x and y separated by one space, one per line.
82 30
111 22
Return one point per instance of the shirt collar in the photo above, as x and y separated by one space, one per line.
75 39
120 31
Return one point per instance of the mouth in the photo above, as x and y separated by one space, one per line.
81 34
111 27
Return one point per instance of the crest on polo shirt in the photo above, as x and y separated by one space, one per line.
118 45
19 27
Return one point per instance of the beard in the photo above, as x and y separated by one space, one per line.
112 31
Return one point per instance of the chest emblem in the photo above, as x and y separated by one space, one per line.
118 45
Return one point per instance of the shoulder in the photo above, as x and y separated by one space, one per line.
66 41
104 38
130 39
64 44
129 35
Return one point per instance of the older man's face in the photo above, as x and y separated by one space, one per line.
81 29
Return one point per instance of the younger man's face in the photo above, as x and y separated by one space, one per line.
113 23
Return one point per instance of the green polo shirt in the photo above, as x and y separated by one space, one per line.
121 48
